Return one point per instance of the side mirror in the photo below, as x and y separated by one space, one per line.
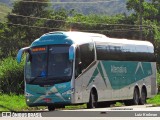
71 52
20 53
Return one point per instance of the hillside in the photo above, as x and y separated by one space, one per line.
108 7
4 10
7 2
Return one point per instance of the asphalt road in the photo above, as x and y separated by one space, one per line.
142 112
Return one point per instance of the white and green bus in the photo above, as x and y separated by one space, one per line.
69 68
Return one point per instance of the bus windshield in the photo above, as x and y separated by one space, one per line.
49 64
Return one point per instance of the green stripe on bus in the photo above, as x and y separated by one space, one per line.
101 72
123 73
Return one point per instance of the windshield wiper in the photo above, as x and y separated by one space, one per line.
32 80
42 74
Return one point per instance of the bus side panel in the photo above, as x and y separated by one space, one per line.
147 77
154 87
116 80
98 81
95 77
123 76
81 92
149 82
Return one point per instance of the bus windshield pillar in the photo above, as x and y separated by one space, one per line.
71 52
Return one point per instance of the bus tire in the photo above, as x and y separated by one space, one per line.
51 108
143 97
135 99
92 100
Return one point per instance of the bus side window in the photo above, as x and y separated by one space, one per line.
87 54
84 57
78 63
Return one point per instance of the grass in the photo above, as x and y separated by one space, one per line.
14 103
118 104
155 100
83 106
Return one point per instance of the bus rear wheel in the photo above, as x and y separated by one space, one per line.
135 100
143 97
92 100
51 108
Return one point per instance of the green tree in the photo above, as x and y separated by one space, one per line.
150 14
151 17
57 19
20 30
150 10
34 9
111 26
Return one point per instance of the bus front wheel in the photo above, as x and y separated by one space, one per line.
51 108
92 100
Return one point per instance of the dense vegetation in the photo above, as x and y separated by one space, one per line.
29 20
11 76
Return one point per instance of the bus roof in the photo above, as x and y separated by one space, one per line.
62 37
74 37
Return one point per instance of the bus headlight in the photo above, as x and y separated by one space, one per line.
28 94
